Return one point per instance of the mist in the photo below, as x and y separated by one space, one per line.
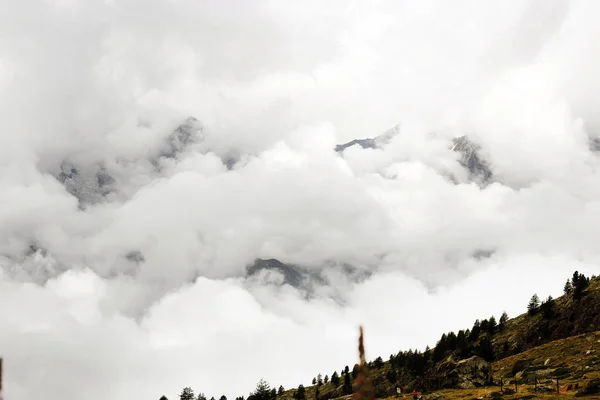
151 151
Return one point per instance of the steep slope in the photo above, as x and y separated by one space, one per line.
541 345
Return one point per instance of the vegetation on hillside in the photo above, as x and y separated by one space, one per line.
576 312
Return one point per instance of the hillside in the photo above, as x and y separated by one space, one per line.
556 338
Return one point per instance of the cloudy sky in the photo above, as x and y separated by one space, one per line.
138 287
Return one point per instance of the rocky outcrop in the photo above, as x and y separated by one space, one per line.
371 143
479 169
464 374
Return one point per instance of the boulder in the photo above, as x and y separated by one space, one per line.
464 374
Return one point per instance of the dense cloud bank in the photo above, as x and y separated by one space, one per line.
151 151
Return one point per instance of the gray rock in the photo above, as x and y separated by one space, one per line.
479 169
190 131
88 184
370 143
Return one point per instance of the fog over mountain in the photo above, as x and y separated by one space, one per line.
207 193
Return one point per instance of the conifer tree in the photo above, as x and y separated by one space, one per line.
187 394
163 397
281 390
300 394
326 379
492 326
347 388
503 320
568 289
335 379
201 396
534 305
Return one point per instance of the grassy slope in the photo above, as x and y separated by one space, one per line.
575 359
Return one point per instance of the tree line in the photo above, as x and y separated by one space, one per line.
476 341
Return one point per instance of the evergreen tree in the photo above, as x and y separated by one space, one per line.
212 398
319 379
300 394
239 398
187 394
492 326
163 397
485 349
474 334
346 369
503 320
534 305
579 285
314 381
575 279
355 371
378 363
326 379
335 379
201 396
281 390
548 307
347 388
273 393
484 325
568 289
262 392
223 397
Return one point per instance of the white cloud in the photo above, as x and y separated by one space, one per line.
101 84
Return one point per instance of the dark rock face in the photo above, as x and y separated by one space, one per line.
364 143
292 274
370 143
478 168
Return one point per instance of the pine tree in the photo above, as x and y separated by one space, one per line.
326 379
547 307
355 371
347 388
163 397
262 391
335 379
492 326
314 381
319 379
378 363
223 397
503 320
346 369
187 394
579 285
300 394
568 289
534 305
281 390
475 331
201 396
